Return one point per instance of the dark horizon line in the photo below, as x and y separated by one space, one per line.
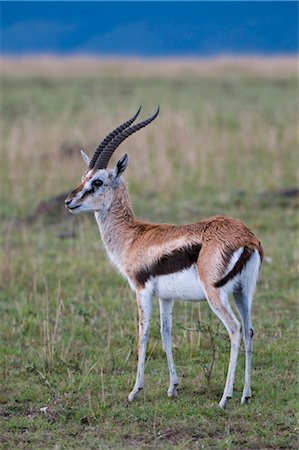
204 55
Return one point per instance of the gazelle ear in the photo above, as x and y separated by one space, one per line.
120 168
85 158
121 165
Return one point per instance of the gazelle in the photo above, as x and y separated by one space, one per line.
205 260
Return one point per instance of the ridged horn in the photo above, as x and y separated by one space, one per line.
109 138
112 146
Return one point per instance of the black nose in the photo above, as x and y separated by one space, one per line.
67 202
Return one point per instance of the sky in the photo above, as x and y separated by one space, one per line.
149 29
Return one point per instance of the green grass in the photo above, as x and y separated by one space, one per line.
68 321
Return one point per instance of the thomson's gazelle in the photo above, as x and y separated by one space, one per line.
205 260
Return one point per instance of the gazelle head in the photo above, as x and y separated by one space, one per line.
99 184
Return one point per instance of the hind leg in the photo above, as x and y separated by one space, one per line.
218 301
243 303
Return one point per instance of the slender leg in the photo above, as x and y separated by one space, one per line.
219 304
243 305
166 324
144 300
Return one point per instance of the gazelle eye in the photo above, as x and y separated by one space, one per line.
97 183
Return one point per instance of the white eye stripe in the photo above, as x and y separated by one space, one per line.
87 189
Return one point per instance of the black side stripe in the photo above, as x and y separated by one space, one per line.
238 267
179 259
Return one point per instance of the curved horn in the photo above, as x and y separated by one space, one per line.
109 138
112 146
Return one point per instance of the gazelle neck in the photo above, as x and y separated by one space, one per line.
116 225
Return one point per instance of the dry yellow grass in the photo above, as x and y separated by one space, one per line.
88 66
174 154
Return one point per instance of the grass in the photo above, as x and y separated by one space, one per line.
225 143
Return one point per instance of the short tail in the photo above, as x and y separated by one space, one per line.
240 264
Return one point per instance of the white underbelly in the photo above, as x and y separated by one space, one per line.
184 285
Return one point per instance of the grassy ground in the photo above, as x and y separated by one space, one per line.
225 142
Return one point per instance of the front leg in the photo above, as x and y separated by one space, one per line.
144 300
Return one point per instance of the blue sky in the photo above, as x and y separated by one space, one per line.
149 28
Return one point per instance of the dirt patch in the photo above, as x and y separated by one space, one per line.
52 208
289 192
52 204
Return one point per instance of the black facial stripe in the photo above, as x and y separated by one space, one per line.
179 259
90 191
